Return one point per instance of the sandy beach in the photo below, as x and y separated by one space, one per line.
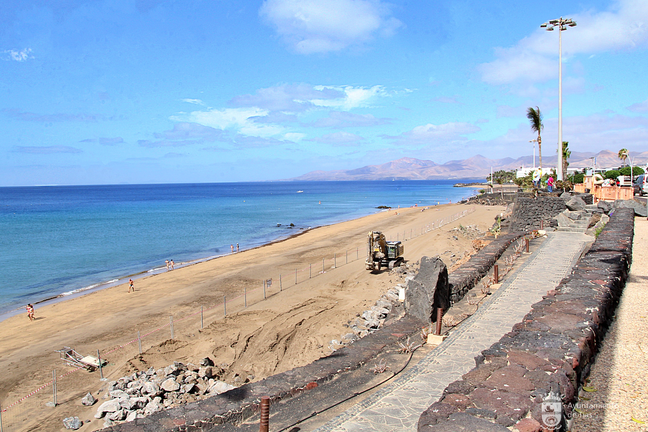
290 328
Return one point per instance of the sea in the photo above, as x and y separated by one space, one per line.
63 241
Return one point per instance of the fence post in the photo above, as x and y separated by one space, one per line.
322 265
1 429
295 276
280 284
139 341
310 271
202 317
264 289
224 310
54 386
346 256
100 368
334 260
357 253
245 296
171 325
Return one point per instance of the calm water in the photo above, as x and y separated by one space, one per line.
60 240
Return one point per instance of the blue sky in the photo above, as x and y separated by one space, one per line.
148 91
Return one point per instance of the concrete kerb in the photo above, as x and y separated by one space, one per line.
238 404
548 353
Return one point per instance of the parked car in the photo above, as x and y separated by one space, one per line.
641 185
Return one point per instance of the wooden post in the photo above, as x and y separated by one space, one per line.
496 273
139 342
280 284
334 260
526 240
310 271
295 276
264 423
202 317
439 321
171 325
245 296
224 310
346 257
1 429
322 265
264 289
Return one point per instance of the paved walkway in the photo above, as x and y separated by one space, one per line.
398 406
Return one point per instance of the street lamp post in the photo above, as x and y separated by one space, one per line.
534 141
562 25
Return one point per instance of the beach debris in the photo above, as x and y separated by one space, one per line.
380 367
88 400
408 347
73 423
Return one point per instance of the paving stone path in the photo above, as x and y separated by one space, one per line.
398 406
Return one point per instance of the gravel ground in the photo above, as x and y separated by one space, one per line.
615 397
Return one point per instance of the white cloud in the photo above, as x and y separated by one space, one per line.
339 138
533 59
19 56
353 97
288 97
194 101
436 134
314 26
240 119
639 107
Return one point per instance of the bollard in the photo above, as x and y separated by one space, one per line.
224 311
139 341
264 423
439 321
496 273
171 325
526 240
100 369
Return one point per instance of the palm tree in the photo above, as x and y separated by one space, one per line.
535 117
566 155
623 155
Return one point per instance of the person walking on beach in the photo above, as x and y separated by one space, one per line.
167 264
30 312
237 247
232 248
172 265
130 285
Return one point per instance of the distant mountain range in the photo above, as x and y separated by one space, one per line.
474 167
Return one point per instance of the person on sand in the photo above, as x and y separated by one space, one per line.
30 312
130 285
167 264
232 248
172 264
237 247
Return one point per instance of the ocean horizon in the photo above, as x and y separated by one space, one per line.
62 241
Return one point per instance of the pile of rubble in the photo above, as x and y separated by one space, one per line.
145 392
372 319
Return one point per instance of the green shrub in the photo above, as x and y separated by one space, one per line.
612 174
635 171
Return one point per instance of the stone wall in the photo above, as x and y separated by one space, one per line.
465 277
533 213
549 352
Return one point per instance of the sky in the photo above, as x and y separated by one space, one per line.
153 91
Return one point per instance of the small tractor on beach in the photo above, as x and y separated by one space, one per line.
383 253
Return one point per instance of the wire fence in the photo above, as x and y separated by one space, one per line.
13 415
